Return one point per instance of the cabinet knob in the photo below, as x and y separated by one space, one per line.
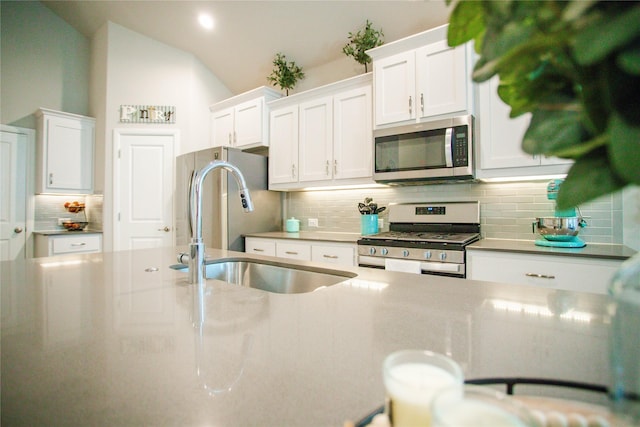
166 229
17 230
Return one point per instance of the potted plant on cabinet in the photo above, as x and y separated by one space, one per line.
362 41
575 66
285 74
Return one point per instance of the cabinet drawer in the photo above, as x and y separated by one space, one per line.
260 247
299 251
549 271
75 244
341 255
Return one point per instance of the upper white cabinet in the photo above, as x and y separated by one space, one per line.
322 136
500 140
65 152
242 121
421 77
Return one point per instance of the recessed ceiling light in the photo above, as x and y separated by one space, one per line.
206 21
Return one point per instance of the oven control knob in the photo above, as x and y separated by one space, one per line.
427 255
443 256
384 251
372 250
405 253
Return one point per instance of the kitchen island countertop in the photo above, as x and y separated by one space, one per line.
107 339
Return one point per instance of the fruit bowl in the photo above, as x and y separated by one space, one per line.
74 207
75 225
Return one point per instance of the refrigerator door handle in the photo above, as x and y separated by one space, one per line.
189 208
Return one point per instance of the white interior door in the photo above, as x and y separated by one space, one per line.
14 146
144 188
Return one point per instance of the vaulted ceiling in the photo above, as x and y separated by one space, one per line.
240 48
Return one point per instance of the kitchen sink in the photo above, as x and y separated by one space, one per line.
271 276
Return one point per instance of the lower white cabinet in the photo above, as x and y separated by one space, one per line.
304 250
51 245
569 273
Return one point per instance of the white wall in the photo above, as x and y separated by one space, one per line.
44 63
130 68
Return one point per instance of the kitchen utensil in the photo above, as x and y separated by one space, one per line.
380 209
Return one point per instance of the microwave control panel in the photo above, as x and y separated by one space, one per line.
460 146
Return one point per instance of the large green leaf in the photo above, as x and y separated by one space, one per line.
589 178
466 22
624 149
552 131
629 59
608 33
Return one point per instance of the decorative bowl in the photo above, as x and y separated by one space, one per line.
559 229
75 225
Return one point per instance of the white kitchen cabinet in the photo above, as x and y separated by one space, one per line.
65 152
323 136
64 244
500 138
571 273
338 253
421 77
242 121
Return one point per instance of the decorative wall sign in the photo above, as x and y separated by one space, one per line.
147 114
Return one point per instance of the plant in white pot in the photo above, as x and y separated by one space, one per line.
575 66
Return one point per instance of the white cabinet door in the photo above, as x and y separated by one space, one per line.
283 161
352 134
222 128
548 271
248 124
394 82
441 80
500 139
65 153
316 139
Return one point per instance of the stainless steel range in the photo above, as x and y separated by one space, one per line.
427 238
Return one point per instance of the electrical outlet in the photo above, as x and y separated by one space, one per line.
380 223
313 222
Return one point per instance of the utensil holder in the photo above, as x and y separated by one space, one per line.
368 224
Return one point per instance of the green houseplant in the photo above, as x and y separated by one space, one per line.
575 65
285 74
360 42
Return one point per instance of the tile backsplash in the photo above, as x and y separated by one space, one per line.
48 208
507 210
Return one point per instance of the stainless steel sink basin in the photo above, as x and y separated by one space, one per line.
270 276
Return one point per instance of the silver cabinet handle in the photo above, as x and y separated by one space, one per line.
422 102
51 178
410 105
291 253
235 139
335 167
79 244
17 230
326 168
330 256
293 170
166 229
258 250
540 276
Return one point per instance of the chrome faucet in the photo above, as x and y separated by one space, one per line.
197 248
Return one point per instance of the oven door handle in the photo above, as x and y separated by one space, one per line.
441 267
448 143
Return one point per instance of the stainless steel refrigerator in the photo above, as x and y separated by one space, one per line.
223 220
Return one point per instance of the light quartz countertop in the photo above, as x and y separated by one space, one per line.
592 250
324 236
66 232
108 339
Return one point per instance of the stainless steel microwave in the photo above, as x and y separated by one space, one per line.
437 150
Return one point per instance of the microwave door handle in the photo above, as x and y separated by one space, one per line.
448 153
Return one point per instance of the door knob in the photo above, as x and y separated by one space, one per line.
166 229
17 230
